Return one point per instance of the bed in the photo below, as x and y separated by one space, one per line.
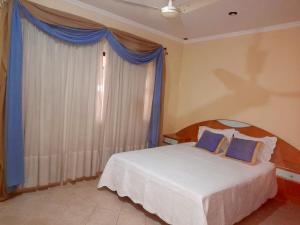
188 186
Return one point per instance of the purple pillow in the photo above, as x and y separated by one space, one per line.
210 141
242 149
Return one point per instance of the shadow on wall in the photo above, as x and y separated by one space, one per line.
244 93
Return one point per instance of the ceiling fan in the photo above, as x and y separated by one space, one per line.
170 10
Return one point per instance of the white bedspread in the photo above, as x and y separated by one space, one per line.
184 185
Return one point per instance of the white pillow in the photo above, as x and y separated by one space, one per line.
228 133
267 149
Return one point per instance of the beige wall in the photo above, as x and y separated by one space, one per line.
173 59
253 78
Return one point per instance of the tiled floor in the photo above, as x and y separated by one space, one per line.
83 204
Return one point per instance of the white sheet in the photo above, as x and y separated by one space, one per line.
184 185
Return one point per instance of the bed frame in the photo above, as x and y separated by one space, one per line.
285 156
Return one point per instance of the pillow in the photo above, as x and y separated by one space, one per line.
228 133
242 149
267 148
211 141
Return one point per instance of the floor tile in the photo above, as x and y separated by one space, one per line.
131 217
154 221
83 204
103 217
108 200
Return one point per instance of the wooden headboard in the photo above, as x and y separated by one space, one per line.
285 155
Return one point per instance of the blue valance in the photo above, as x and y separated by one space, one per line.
14 130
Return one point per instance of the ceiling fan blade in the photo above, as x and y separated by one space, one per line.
195 5
135 3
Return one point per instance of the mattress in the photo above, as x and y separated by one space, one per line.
185 185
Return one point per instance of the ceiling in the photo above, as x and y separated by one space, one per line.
209 20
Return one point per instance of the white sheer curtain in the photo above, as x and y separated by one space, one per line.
127 105
79 107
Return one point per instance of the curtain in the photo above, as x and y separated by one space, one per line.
54 17
5 12
14 145
59 18
79 107
14 149
59 96
127 103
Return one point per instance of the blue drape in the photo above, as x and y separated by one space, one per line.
14 130
14 153
136 58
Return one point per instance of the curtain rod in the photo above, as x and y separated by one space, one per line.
166 51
